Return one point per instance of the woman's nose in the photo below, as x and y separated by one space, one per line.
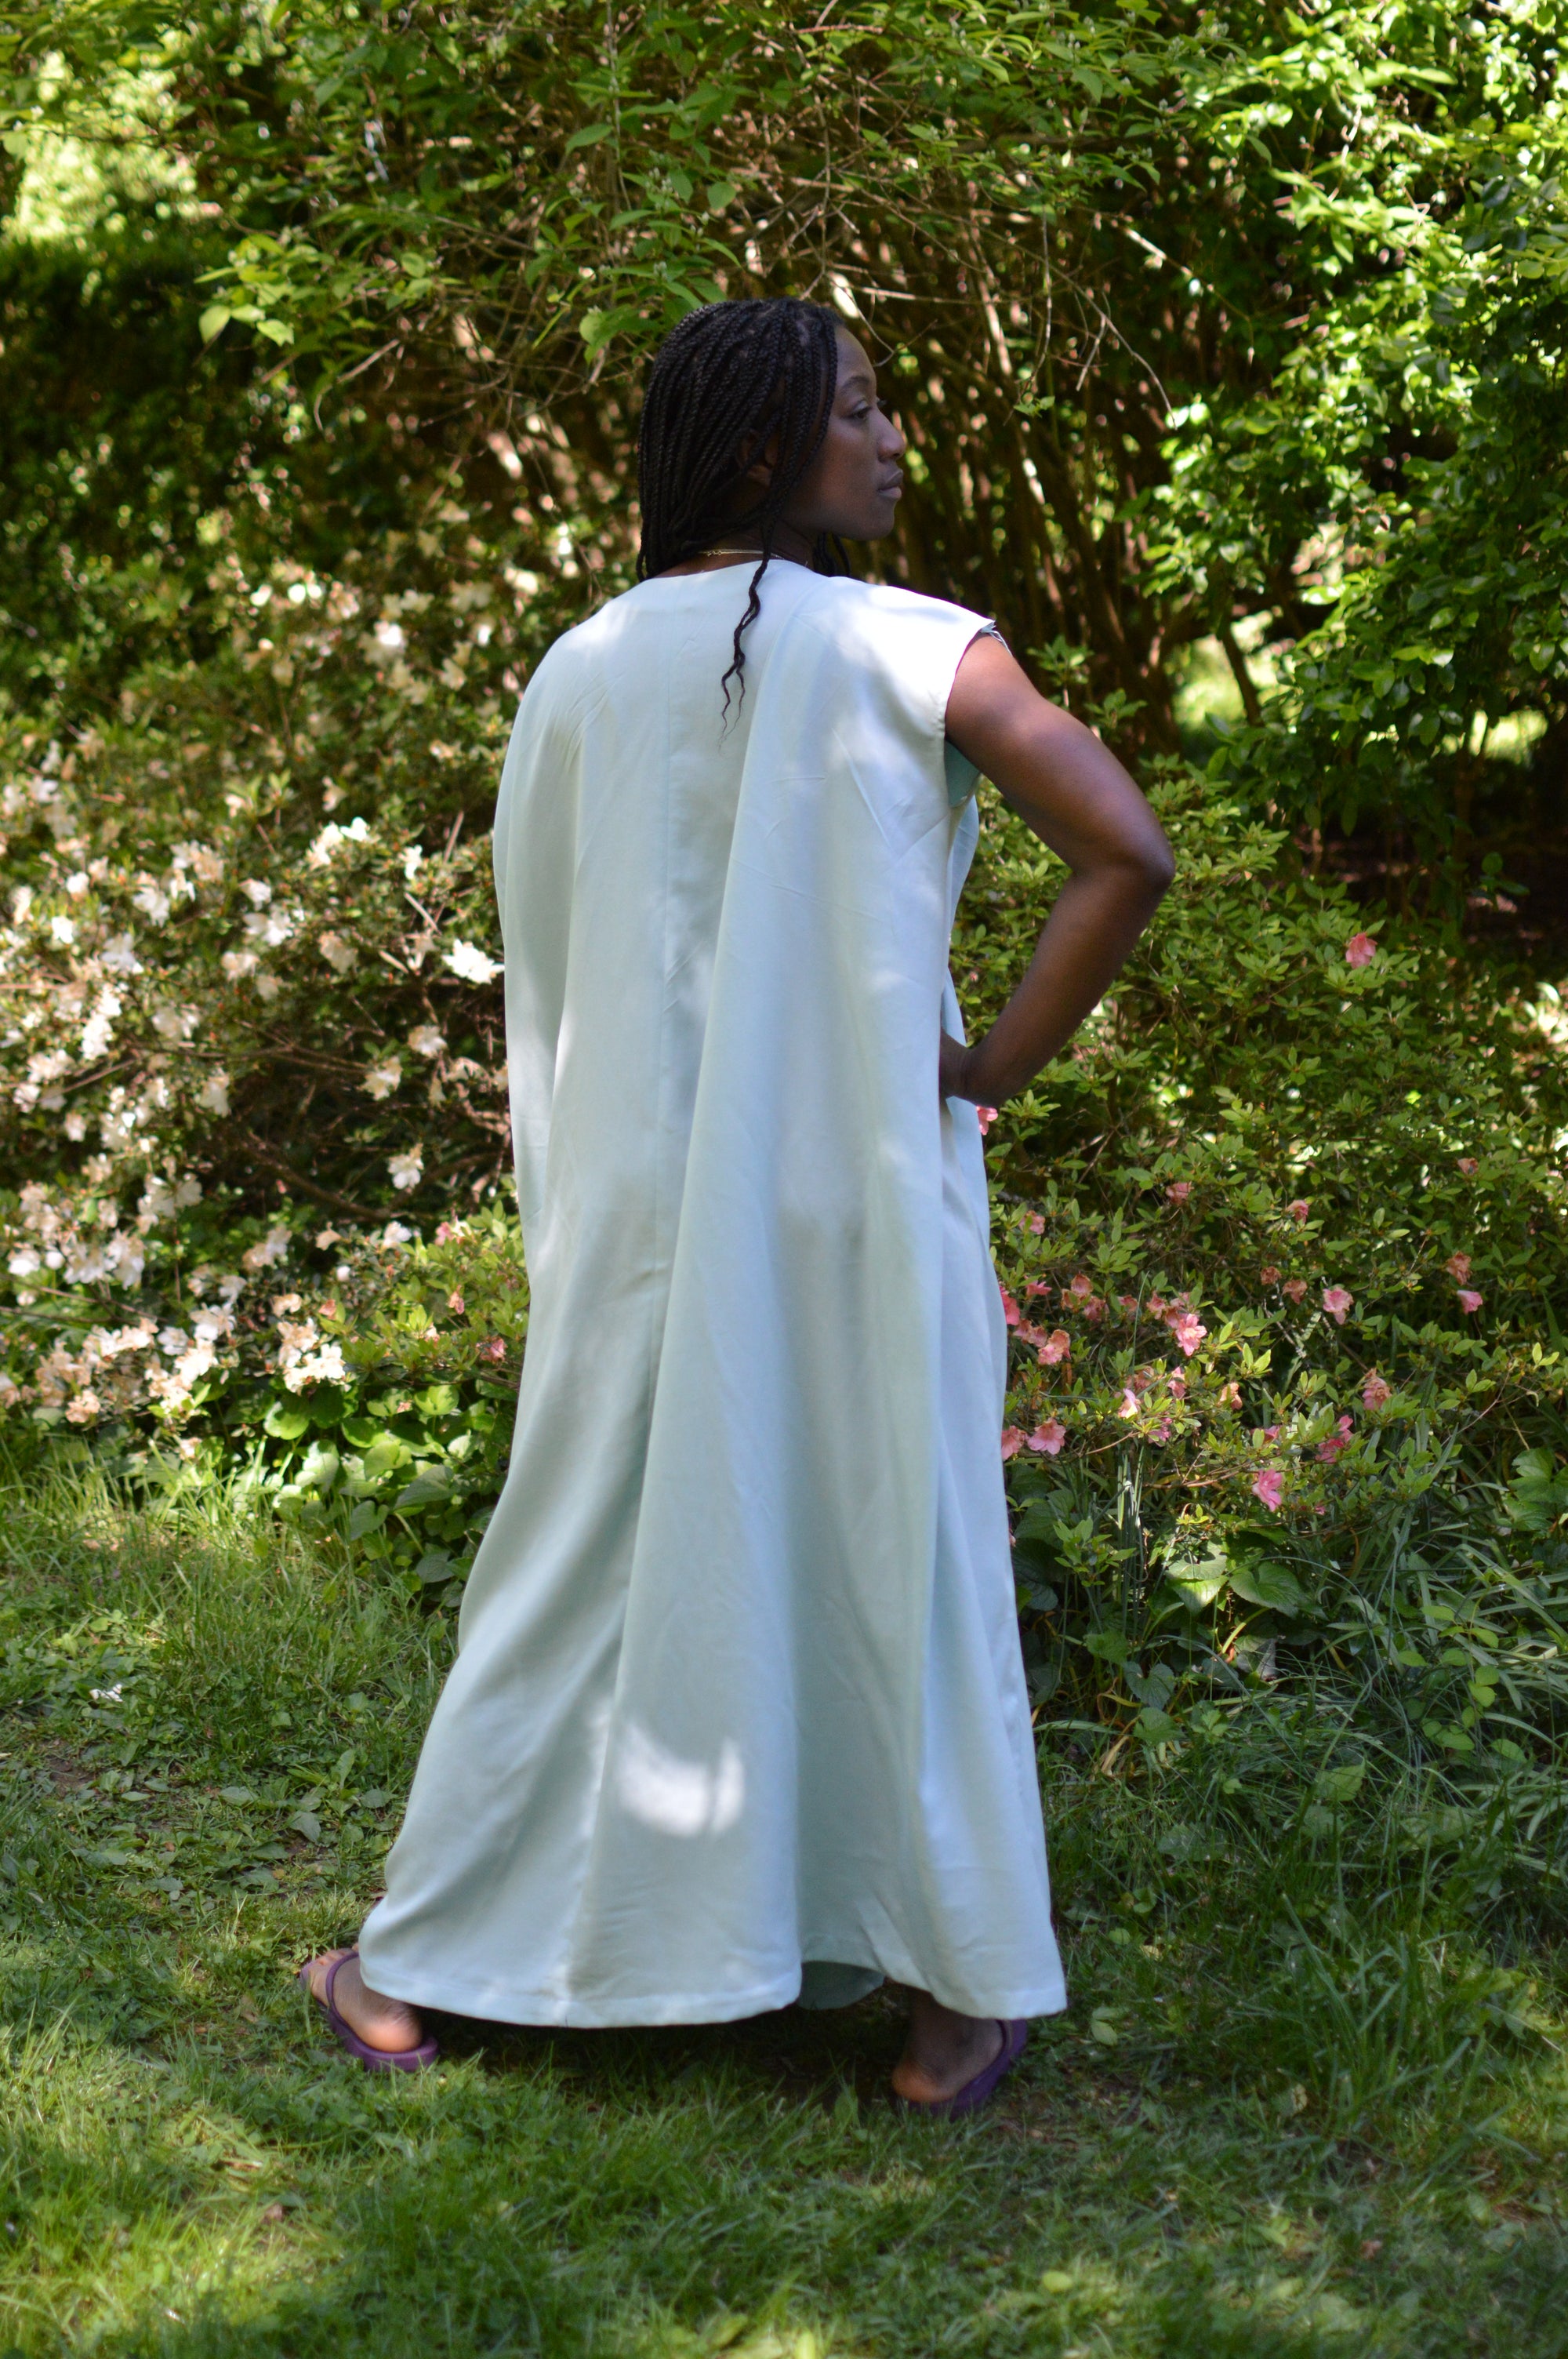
892 444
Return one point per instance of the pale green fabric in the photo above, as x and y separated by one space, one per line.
739 1703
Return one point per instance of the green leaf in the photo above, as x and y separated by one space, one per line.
1198 1583
721 194
213 321
285 1422
1106 1646
1261 1583
426 1489
437 1565
588 136
1102 2027
1341 1785
235 1794
307 1823
1156 1727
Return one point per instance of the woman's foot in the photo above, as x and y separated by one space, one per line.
384 2023
944 2051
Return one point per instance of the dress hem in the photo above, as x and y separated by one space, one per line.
535 2011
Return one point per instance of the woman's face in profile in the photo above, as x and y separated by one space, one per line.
853 487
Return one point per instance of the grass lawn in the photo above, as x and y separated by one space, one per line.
1311 2095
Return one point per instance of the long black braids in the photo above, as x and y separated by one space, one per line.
728 380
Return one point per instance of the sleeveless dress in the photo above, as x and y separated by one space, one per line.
738 1713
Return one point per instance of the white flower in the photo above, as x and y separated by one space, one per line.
21 902
383 1079
209 865
412 859
268 987
214 1093
272 1248
127 1257
270 926
158 1202
212 1322
77 885
172 1340
99 1028
120 956
256 892
82 1407
236 963
152 900
338 954
25 1262
110 1341
63 930
187 1190
194 1364
408 1170
394 1234
469 961
427 1041
324 1366
175 1022
390 636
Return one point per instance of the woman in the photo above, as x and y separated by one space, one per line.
737 1714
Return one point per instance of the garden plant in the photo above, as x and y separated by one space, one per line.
1229 345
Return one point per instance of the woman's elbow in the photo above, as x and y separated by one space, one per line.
1153 863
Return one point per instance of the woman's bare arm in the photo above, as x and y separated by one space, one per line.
1076 796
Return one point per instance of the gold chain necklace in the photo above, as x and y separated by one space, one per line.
732 552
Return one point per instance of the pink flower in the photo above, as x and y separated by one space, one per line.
493 1348
1270 1486
1336 1303
1009 1308
1468 1298
1057 1346
1228 1396
1011 1440
1037 1223
1093 1310
1271 1432
1162 1432
1079 1286
1178 1388
1129 1403
1374 1393
1048 1436
1179 1190
1360 950
1037 1286
1295 1287
1188 1330
1469 1165
1269 1275
1128 1302
1330 1447
1458 1265
1298 1208
1156 1306
985 1116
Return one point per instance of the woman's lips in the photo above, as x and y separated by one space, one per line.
893 487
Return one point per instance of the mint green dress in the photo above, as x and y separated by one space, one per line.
737 1714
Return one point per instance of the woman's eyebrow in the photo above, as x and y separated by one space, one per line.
861 377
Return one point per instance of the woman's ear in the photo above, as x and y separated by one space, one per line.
760 470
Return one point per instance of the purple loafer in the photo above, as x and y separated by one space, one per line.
983 2087
375 2060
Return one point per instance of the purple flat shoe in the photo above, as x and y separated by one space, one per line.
983 2087
375 2060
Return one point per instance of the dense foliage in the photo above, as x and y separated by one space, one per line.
1227 336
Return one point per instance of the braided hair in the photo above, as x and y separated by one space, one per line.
724 383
